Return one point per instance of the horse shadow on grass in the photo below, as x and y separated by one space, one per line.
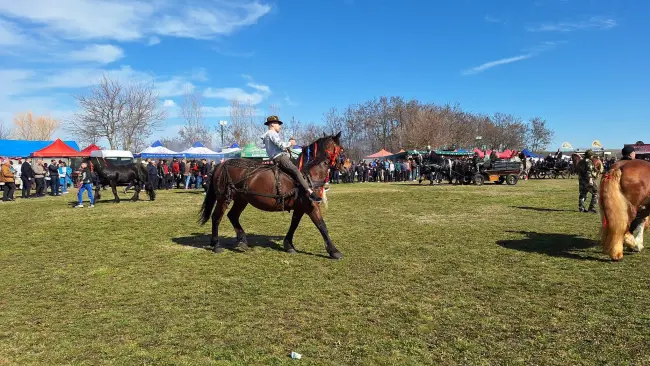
554 245
202 241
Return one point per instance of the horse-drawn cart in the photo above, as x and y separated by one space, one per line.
499 172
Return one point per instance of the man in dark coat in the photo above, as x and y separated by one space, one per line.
27 175
628 153
152 175
53 170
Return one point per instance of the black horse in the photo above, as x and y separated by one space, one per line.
433 167
112 175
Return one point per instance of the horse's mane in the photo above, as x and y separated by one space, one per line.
314 153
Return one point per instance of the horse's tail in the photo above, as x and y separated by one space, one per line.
210 196
614 213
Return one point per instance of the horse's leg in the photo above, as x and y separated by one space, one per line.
317 219
114 190
136 195
216 220
233 215
637 228
288 239
97 194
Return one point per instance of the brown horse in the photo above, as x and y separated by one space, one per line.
245 181
624 206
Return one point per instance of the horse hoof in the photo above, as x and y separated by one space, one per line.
336 255
291 251
243 246
217 249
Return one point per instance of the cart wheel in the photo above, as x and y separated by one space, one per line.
564 175
512 179
478 179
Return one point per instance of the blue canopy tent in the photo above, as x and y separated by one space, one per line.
199 151
529 154
24 148
157 151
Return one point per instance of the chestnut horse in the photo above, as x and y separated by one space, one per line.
265 187
624 206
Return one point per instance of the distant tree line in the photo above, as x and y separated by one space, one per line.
126 114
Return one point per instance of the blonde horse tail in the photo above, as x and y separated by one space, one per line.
614 214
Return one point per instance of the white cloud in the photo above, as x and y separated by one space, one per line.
10 35
491 64
237 94
289 101
260 94
261 88
174 87
153 41
216 111
125 20
169 103
199 74
490 19
593 23
100 53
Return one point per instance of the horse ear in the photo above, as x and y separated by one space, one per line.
337 137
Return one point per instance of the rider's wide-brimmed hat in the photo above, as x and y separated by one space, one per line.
272 119
589 154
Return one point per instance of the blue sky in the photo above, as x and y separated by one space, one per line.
581 64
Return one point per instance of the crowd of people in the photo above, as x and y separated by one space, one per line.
54 177
180 172
37 178
378 170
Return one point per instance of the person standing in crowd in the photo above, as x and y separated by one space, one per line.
27 174
176 172
7 177
39 178
152 175
587 183
204 169
181 171
63 177
53 171
628 153
85 184
187 173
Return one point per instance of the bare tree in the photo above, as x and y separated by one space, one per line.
239 130
5 132
195 129
31 127
539 135
293 128
125 115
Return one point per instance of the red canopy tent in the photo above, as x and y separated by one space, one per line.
379 154
58 149
90 148
501 155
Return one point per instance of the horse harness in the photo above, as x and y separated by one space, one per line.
251 167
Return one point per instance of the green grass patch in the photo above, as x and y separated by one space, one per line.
431 275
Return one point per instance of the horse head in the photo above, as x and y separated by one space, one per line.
324 150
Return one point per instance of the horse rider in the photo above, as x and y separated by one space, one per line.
276 149
588 183
558 155
628 153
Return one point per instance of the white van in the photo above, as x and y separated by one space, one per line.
116 157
